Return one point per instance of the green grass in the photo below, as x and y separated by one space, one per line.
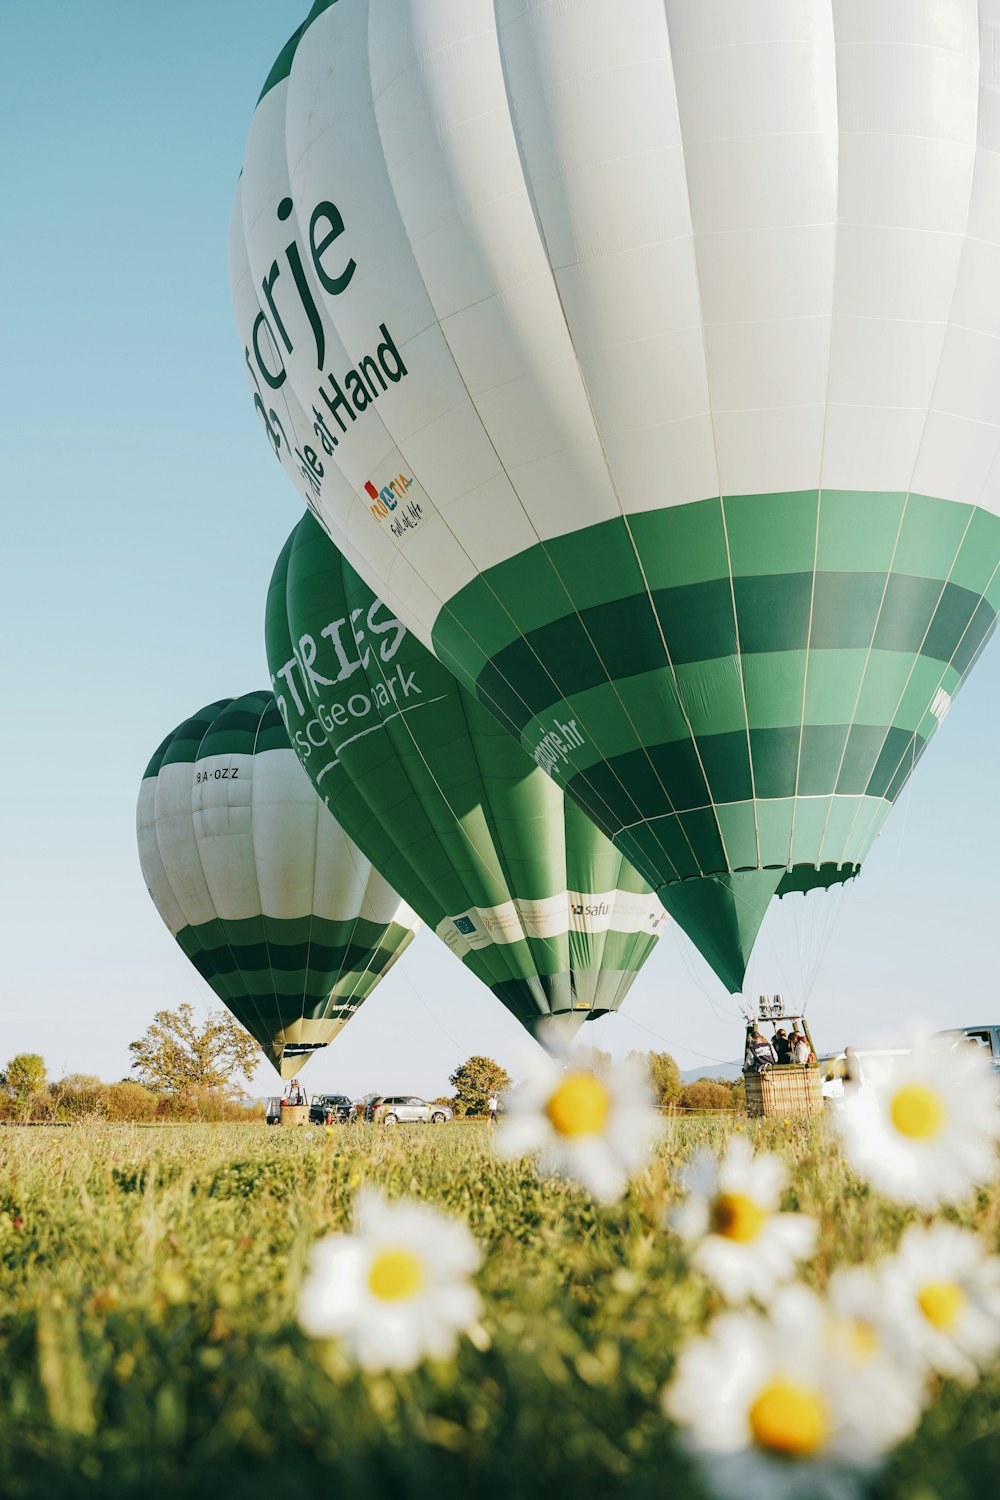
148 1341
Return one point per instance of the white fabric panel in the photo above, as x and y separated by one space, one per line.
907 104
330 118
285 834
960 455
759 120
347 519
222 819
178 846
596 118
151 863
551 917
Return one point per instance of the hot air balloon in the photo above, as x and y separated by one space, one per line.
644 359
519 883
265 893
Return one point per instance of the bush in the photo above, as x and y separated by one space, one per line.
128 1100
212 1106
706 1094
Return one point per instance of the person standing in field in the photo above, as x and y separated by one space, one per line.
492 1104
852 1071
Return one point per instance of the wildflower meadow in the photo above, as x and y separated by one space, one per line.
410 1313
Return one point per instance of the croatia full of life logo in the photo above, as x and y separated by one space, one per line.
387 503
388 497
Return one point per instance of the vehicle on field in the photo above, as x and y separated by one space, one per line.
986 1038
272 1110
396 1109
833 1073
337 1105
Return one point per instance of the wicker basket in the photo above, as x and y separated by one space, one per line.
785 1091
294 1114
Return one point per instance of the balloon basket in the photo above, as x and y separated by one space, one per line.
783 1093
294 1114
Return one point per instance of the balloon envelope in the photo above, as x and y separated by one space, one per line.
265 893
644 359
518 883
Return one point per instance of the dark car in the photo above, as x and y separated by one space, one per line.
338 1105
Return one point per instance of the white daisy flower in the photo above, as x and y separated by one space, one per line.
396 1291
870 1355
595 1128
929 1136
943 1289
762 1407
743 1244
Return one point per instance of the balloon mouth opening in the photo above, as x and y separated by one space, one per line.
799 878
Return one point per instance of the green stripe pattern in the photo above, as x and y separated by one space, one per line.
445 802
293 980
739 684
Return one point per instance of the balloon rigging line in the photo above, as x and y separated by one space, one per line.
459 1046
722 1061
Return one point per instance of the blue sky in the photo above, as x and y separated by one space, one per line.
143 514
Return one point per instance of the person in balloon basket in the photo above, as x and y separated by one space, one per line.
782 1047
760 1054
801 1050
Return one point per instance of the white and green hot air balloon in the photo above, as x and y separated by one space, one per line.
274 905
644 358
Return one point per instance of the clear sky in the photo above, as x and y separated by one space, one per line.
143 513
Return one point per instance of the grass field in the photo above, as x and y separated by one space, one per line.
148 1339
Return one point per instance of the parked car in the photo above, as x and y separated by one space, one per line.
396 1108
986 1038
338 1105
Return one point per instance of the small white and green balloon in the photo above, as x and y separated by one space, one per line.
272 902
642 358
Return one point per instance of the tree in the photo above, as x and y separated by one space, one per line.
176 1055
475 1081
24 1078
664 1075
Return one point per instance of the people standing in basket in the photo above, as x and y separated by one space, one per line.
782 1047
801 1050
761 1049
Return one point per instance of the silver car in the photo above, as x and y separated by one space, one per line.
404 1108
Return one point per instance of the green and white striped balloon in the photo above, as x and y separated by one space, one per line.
518 882
645 359
272 902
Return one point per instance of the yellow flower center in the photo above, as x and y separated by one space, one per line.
579 1106
737 1217
855 1338
917 1111
863 1340
790 1419
941 1303
394 1275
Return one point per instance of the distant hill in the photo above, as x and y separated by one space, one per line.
712 1070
